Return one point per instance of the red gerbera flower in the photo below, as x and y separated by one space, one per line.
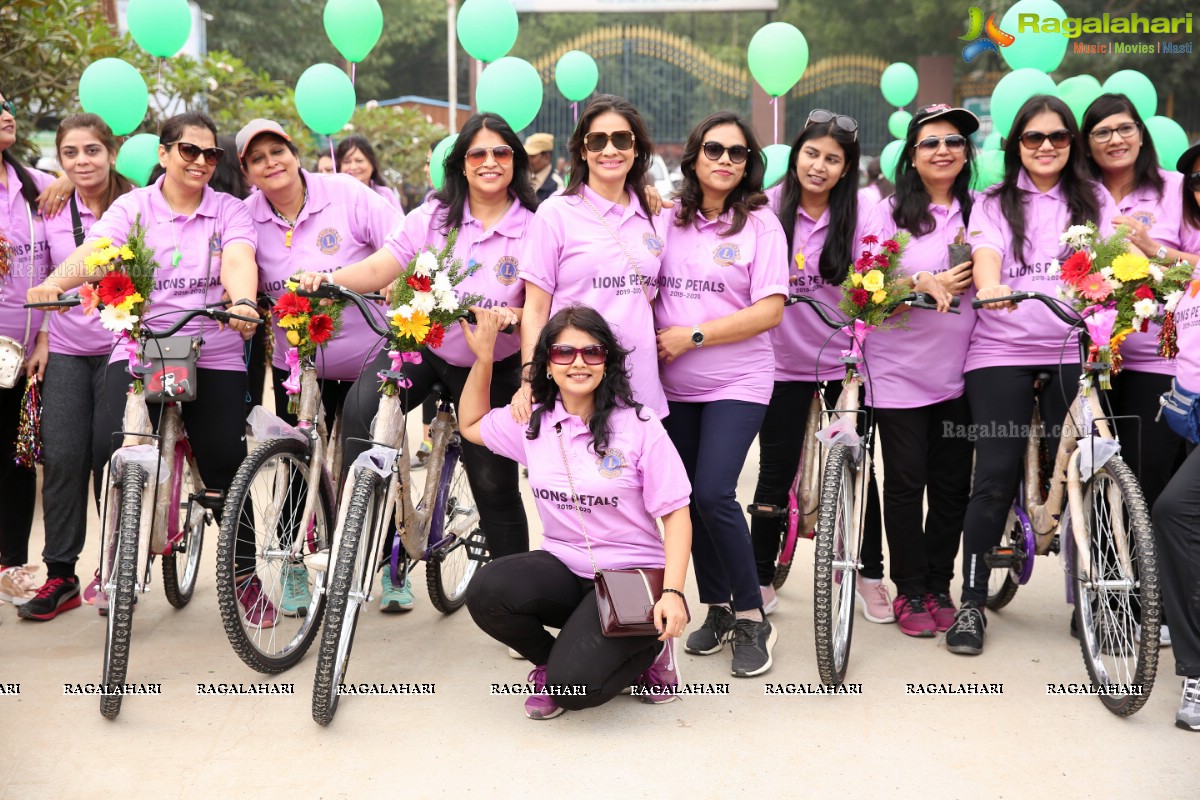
891 245
320 328
1143 292
1076 267
115 287
870 240
292 304
419 283
434 337
859 297
881 261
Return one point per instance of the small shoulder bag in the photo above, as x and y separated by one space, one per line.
12 352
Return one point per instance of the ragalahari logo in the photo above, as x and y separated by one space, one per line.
983 37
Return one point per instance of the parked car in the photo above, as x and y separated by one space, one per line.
664 180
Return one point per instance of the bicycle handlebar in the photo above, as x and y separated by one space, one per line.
212 311
1054 304
332 291
63 301
915 300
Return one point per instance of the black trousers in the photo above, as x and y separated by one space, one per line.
1177 534
333 397
924 450
1151 449
18 485
516 598
494 479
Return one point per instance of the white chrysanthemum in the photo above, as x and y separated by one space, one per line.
447 301
424 302
1116 284
1062 292
442 283
1156 273
426 264
1106 272
1146 307
1054 268
405 311
1077 236
118 319
1173 300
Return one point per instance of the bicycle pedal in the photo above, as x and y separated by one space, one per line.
765 511
211 499
1055 545
1003 558
477 550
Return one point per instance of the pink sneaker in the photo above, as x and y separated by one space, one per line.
659 683
541 705
942 609
770 601
257 609
874 599
18 585
912 617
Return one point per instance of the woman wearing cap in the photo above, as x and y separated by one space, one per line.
356 158
916 390
1015 243
1177 511
724 282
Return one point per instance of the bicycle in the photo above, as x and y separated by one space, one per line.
441 528
1109 557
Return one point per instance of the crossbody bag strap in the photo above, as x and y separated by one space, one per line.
621 244
575 496
77 230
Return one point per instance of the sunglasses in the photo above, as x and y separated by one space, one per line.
596 142
190 152
9 106
1060 139
954 142
564 354
1192 182
713 151
819 116
502 153
1126 130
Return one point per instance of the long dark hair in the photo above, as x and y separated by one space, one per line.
643 146
28 189
843 201
356 141
455 190
1081 198
227 177
1191 210
876 178
118 184
614 390
911 211
744 198
1145 167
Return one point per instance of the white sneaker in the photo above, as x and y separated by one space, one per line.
1164 634
770 600
872 596
514 654
18 585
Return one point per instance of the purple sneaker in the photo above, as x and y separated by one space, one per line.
659 683
257 609
942 609
912 617
541 705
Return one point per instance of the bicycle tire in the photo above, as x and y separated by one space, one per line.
275 466
351 573
837 538
1128 662
181 567
781 574
1008 586
450 567
119 628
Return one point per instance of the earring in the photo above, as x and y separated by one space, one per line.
548 376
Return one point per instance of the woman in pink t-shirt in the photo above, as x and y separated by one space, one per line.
356 158
602 470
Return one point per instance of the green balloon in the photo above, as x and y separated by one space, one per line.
778 56
1035 50
353 26
776 157
890 157
898 123
1137 87
989 169
1012 91
161 27
138 157
437 161
1170 140
992 141
512 88
115 91
325 98
576 75
1078 93
898 84
487 29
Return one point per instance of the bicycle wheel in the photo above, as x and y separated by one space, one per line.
1117 588
1003 582
127 519
453 562
835 566
348 590
260 524
185 521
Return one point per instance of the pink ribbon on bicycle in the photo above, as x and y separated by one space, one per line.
399 359
858 334
131 351
1099 321
292 359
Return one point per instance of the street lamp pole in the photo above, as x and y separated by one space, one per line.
452 65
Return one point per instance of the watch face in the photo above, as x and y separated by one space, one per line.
698 337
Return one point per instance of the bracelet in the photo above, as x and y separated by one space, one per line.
918 274
674 591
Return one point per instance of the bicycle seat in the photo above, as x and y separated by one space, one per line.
1042 378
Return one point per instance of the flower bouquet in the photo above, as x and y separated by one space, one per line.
872 289
1118 293
307 329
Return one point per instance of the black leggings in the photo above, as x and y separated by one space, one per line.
1149 447
18 485
1177 533
515 599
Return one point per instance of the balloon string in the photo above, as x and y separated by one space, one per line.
353 69
575 111
775 115
333 155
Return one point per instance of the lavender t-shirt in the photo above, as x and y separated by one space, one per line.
15 216
74 333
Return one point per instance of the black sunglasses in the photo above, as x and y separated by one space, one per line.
714 150
503 154
819 116
190 152
1192 182
9 106
564 354
954 142
1059 139
596 142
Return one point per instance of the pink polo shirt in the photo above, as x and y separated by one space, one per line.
74 333
221 220
706 276
1164 215
639 479
14 226
803 337
579 262
921 363
342 222
1031 335
500 255
388 194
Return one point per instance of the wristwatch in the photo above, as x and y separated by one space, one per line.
1161 253
697 336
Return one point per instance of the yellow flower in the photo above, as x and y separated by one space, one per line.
293 338
856 279
95 262
1130 267
879 297
289 322
128 303
109 253
417 327
103 244
873 281
126 253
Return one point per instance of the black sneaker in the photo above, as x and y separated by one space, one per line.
712 634
965 636
752 643
56 596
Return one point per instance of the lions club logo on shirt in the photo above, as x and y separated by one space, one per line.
329 241
506 270
1144 216
726 254
653 243
611 463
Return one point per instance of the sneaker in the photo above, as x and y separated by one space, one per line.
752 643
297 595
1188 716
770 600
942 609
541 705
394 598
257 609
873 598
17 584
56 596
514 654
914 619
712 634
659 683
965 635
421 458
